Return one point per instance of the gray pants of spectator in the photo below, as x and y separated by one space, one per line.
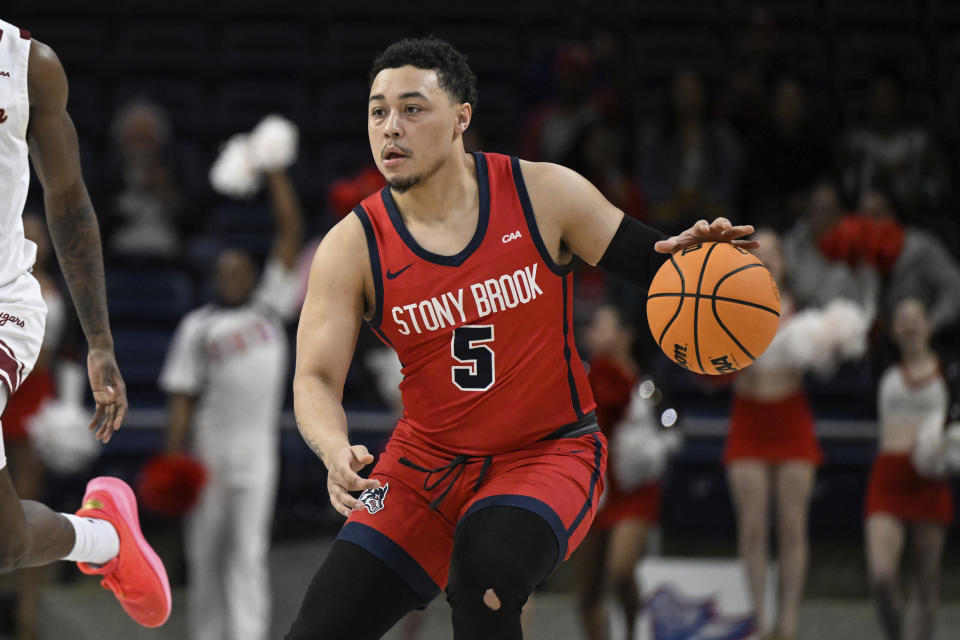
227 539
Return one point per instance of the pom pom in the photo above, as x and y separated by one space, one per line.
234 173
928 455
58 434
640 447
845 324
951 441
170 484
273 143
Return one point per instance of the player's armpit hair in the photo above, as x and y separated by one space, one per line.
630 255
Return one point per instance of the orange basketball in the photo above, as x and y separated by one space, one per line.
713 308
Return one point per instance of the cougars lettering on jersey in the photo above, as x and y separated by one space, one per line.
485 336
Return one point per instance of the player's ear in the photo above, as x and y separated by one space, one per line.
464 115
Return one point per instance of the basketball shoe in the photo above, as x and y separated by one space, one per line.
136 576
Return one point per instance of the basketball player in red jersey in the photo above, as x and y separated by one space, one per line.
462 265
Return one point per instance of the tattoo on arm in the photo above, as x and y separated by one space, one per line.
76 238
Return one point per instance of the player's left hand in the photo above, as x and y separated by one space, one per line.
720 230
109 393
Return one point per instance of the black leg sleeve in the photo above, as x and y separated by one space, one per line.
353 595
508 550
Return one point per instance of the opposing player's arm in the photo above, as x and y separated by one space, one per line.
574 217
52 140
287 217
326 338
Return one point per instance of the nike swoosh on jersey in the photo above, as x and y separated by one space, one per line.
393 274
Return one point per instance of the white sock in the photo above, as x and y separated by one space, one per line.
97 541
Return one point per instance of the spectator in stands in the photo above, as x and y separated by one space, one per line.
783 159
746 100
27 469
225 376
688 163
816 280
148 208
553 130
899 157
914 263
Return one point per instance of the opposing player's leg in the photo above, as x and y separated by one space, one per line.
590 560
750 489
885 540
353 595
927 540
626 546
794 486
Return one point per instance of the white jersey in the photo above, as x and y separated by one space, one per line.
234 360
902 402
17 254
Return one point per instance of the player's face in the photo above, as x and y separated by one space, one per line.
911 328
412 124
234 277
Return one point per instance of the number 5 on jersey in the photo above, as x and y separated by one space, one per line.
477 371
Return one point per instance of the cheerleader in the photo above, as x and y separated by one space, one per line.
631 414
771 450
907 491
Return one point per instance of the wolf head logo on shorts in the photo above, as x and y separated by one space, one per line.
372 499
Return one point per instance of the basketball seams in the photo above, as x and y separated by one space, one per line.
716 315
683 289
746 303
696 305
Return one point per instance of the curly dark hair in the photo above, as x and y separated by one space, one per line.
453 72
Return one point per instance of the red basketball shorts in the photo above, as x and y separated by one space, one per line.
560 480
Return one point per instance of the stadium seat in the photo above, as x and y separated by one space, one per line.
660 53
148 295
264 45
140 354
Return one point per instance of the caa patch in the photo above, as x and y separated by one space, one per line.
373 499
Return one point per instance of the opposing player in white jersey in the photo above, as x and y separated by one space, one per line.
225 373
104 536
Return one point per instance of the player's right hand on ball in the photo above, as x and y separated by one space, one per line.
342 477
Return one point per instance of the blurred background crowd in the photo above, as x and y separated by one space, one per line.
835 123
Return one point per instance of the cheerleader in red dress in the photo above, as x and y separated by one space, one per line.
771 450
630 505
908 494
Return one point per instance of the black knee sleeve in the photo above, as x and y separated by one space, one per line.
353 595
508 550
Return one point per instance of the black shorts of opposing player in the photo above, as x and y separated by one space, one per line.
509 550
630 255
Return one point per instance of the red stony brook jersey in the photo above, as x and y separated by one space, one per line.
485 336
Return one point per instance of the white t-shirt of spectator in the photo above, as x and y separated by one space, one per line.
234 360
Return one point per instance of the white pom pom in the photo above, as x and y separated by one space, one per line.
951 438
807 340
234 173
273 143
928 455
59 435
846 324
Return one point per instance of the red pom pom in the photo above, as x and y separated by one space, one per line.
170 484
